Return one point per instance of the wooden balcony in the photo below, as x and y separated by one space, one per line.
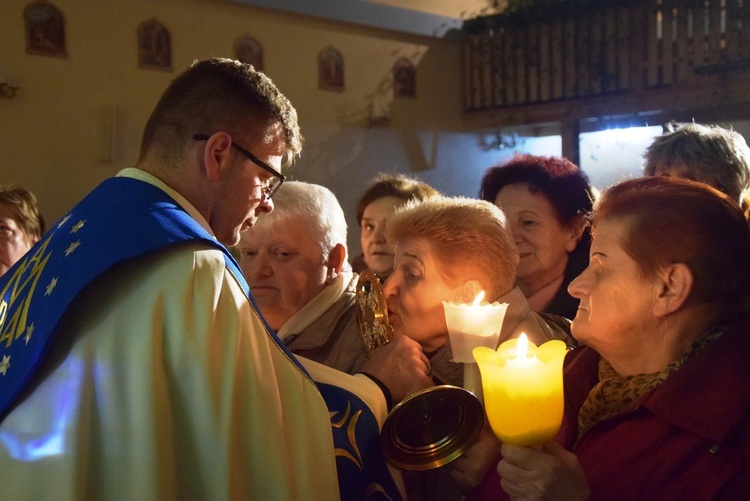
590 63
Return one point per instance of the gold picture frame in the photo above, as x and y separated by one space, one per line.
45 29
404 78
249 50
330 69
154 45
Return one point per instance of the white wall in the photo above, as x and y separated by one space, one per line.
50 134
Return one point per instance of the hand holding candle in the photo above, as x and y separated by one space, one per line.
523 389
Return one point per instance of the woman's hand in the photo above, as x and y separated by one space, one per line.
469 469
401 366
549 472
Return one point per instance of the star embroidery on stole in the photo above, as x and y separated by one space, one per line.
51 286
64 220
350 421
5 364
73 246
78 226
29 332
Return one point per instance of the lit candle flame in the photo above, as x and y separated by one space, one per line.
471 323
522 348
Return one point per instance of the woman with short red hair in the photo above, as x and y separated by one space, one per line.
657 402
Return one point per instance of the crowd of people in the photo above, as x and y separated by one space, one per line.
189 329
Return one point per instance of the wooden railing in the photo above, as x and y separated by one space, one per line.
577 49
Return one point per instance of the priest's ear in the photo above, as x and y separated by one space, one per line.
216 155
335 261
673 285
468 291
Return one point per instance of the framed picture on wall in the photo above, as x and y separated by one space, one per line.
330 69
45 29
248 50
404 78
154 45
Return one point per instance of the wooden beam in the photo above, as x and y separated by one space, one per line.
719 97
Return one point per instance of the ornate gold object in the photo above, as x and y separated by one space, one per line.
372 311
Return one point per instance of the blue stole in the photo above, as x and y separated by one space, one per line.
122 219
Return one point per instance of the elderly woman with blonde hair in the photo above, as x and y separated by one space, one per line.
450 249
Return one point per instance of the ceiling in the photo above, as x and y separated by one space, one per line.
460 9
433 18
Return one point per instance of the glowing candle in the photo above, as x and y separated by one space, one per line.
469 326
520 356
523 389
472 325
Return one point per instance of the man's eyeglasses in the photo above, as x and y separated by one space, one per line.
273 184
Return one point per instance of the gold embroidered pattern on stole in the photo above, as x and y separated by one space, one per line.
351 428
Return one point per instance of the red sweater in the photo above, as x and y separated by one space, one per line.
689 438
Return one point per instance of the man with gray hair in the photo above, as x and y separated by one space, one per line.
295 261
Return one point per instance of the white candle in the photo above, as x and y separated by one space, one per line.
472 325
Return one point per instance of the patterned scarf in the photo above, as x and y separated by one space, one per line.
614 393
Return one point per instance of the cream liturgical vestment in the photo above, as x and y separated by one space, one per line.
162 382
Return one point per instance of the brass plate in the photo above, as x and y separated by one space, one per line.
372 311
431 428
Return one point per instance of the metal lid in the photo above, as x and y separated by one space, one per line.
431 428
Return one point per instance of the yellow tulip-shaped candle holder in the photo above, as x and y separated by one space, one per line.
523 389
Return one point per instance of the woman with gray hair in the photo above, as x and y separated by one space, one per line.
295 261
711 154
